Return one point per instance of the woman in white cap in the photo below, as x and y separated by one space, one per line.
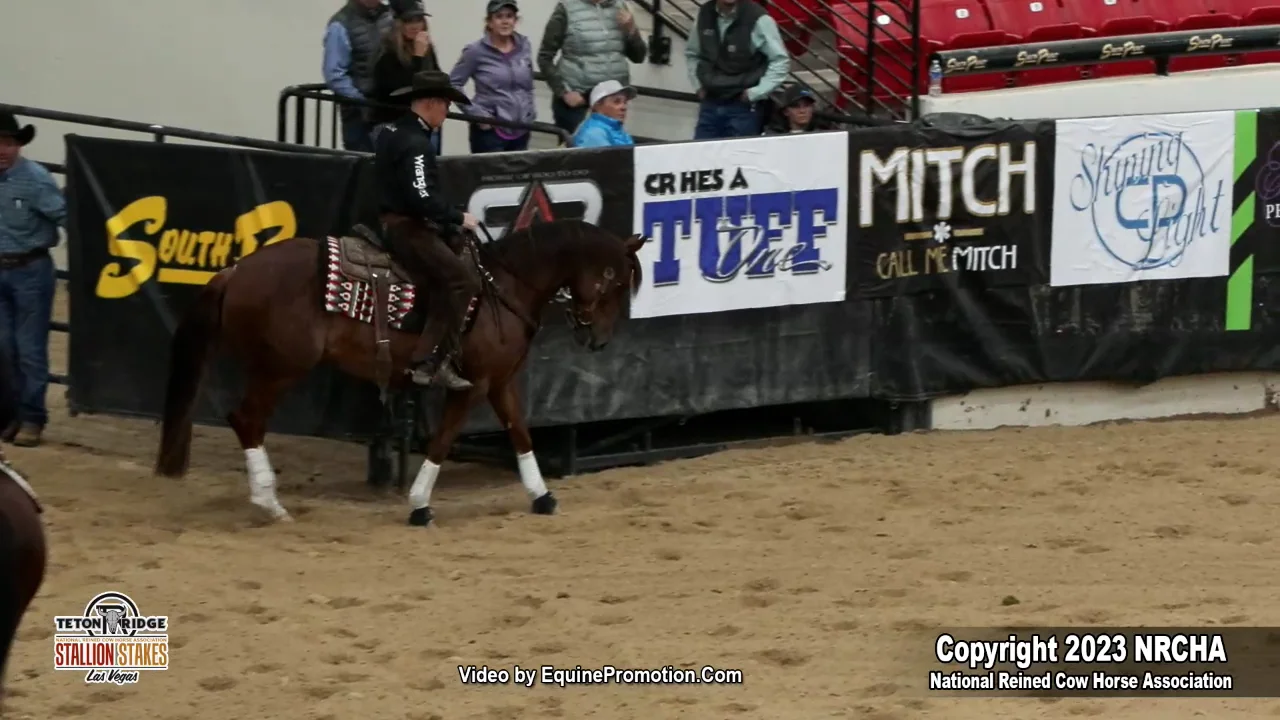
603 127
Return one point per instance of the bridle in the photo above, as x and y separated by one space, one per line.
582 318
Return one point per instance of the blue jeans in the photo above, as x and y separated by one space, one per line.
735 118
357 136
567 118
26 307
487 141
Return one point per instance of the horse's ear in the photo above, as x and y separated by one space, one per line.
634 243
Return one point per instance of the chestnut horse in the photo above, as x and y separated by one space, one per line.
269 312
22 540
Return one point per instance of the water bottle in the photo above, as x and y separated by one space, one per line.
935 78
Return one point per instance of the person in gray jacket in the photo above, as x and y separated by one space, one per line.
595 39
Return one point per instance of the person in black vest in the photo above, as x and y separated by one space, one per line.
736 59
418 223
351 45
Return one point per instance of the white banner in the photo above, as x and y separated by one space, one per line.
1145 197
744 223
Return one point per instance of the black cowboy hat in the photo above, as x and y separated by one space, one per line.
9 128
431 84
408 10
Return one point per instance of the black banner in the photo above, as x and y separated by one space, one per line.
1088 51
510 191
937 210
149 224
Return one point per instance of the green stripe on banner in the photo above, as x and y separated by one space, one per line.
1240 285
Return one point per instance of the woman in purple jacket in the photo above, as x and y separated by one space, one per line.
501 66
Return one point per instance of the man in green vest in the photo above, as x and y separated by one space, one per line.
736 59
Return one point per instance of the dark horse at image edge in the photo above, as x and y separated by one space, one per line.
23 552
268 312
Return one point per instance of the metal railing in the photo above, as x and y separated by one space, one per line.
320 94
873 53
159 133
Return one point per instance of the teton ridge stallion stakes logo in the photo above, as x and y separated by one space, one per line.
112 641
743 223
1143 198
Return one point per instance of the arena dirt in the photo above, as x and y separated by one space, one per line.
812 568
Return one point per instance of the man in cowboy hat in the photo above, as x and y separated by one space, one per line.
419 221
31 210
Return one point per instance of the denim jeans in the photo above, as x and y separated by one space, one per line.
26 308
567 118
735 118
487 141
356 134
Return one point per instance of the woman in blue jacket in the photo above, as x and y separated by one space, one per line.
603 127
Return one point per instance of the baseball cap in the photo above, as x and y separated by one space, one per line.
607 88
795 94
496 5
408 9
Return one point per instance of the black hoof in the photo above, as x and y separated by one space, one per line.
420 517
545 505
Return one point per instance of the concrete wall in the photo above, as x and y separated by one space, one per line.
219 66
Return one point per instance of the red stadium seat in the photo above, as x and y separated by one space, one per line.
1114 17
797 18
1037 21
1207 21
1034 20
980 81
1251 12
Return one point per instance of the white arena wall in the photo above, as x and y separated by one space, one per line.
1085 403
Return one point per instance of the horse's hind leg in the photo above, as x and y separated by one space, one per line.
249 421
506 405
456 406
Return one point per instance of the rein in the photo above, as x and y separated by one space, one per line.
491 290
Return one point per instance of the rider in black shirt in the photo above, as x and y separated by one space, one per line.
419 221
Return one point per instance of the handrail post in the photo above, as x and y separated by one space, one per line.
659 43
915 61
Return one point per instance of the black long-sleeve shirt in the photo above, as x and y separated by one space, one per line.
389 75
408 179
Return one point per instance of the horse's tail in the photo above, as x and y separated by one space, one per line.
192 345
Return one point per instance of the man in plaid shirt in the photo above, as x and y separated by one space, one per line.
32 209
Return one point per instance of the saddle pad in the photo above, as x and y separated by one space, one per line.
354 298
22 483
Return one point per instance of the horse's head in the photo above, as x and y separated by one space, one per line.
599 287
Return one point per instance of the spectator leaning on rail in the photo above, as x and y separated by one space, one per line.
736 59
595 40
351 44
501 66
31 210
406 50
603 128
796 113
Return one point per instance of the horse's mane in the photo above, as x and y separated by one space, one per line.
517 252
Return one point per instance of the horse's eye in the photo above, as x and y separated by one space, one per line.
608 273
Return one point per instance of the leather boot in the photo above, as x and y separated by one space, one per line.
438 371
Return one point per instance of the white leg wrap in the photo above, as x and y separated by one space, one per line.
420 492
262 483
530 475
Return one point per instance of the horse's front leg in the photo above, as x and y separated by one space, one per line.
506 405
457 405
